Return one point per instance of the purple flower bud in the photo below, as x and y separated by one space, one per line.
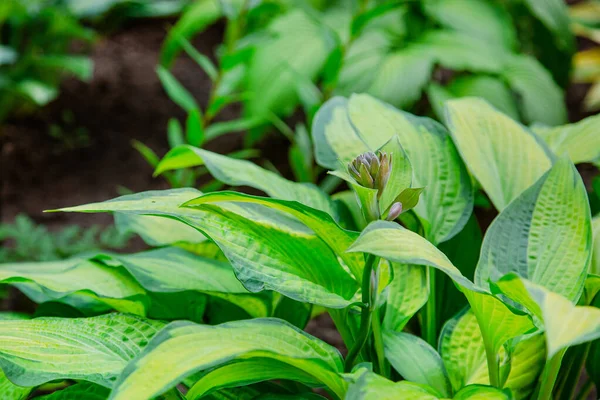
395 211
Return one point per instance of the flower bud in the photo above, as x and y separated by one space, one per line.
395 211
371 170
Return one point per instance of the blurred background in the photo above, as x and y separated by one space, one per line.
94 93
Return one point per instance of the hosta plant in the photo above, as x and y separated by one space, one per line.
426 307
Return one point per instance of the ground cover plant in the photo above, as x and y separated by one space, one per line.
426 306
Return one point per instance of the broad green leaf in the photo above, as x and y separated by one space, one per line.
461 51
245 173
544 235
504 156
157 231
272 262
194 20
57 279
174 270
416 361
406 294
382 238
10 391
579 140
319 222
541 98
299 46
492 89
246 372
38 92
362 62
565 324
426 143
182 349
374 387
81 390
95 349
402 77
175 90
480 392
484 20
294 312
463 352
554 14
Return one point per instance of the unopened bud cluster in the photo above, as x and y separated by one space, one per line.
371 170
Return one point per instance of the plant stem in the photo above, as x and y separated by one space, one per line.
365 316
378 340
549 376
571 376
585 390
493 368
430 322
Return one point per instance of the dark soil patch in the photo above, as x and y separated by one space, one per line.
124 101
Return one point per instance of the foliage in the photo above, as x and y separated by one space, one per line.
35 52
24 240
279 55
220 307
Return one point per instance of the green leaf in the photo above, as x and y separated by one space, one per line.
244 173
461 51
174 270
81 390
203 61
401 77
542 100
93 349
381 238
554 14
484 20
38 92
294 312
492 89
595 266
374 387
480 392
57 279
544 235
406 294
579 140
194 20
416 361
463 351
80 66
246 372
400 176
426 143
175 90
10 391
195 134
157 231
221 128
504 156
299 47
320 223
272 262
565 324
212 346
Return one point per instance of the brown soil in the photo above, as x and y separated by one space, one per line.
124 101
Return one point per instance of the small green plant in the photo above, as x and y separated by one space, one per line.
35 52
427 308
24 240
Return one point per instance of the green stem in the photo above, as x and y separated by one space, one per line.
585 390
430 328
365 316
572 375
493 367
378 339
549 376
